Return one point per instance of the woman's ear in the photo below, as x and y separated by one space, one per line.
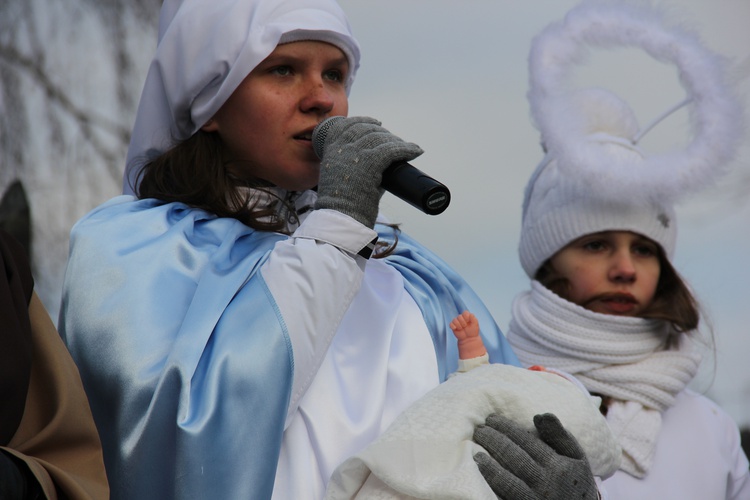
210 126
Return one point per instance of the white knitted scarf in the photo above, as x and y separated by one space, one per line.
620 357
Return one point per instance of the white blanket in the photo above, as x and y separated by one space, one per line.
428 450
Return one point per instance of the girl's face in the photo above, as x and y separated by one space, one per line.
266 124
612 272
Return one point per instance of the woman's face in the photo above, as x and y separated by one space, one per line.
612 272
266 124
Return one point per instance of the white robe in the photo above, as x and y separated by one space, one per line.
690 465
381 360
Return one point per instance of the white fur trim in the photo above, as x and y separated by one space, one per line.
715 113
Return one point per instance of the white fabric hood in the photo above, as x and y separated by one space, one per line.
206 49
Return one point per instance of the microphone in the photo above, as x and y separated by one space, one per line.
400 179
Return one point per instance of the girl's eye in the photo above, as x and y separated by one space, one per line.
594 245
645 250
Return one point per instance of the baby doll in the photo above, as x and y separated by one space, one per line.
428 451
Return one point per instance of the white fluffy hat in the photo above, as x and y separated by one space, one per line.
594 177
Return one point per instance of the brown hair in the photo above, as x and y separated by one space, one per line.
673 301
193 172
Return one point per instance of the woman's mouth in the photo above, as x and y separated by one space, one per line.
305 135
305 139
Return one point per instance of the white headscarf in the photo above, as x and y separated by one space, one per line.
206 49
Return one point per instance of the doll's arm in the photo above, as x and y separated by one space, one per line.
466 329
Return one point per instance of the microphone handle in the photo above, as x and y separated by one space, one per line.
416 188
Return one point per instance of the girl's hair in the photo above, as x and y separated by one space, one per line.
673 301
193 172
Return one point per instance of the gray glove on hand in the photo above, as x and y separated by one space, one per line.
355 152
525 465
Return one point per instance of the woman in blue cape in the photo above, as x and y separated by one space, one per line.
235 332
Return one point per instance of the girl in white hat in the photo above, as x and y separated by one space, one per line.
597 239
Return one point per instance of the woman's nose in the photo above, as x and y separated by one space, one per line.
622 268
317 98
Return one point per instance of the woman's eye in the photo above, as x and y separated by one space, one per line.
282 70
334 75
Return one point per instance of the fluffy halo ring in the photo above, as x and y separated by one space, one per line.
716 115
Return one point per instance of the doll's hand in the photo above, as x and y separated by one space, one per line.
532 465
466 329
354 154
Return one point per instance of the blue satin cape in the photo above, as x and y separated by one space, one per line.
183 351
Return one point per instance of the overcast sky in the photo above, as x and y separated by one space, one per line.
451 76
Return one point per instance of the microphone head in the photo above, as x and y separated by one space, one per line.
320 132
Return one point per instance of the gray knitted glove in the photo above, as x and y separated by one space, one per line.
355 152
525 465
